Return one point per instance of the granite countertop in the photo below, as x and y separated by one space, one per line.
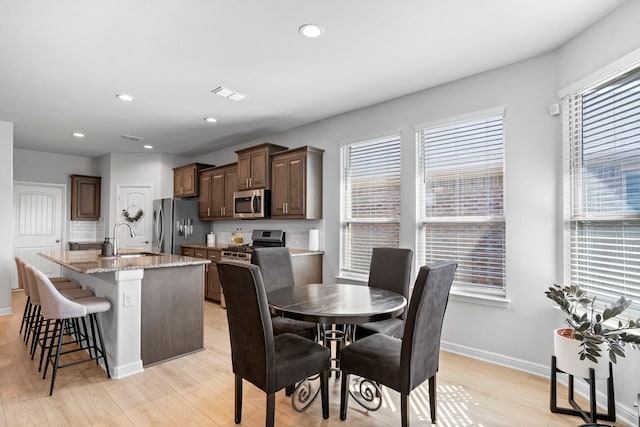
89 262
226 245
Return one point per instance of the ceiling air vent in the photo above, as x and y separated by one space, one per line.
132 138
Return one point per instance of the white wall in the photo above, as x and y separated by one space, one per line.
37 166
6 194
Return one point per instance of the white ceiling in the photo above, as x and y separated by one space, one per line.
63 61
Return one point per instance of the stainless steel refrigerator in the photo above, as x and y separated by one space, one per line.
176 223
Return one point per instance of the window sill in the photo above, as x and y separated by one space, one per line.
482 299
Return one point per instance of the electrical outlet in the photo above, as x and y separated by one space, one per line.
129 299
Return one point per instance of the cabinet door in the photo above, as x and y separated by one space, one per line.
217 195
230 186
189 184
177 183
259 173
85 198
244 171
205 200
297 186
213 280
280 186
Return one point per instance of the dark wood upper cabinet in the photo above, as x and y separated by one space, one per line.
85 198
296 190
216 192
186 180
254 166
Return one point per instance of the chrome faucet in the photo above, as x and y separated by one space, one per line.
115 235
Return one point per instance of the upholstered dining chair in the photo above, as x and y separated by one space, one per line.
277 272
390 269
269 362
403 364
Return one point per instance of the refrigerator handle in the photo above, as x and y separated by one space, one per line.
160 229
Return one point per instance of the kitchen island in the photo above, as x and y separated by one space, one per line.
156 304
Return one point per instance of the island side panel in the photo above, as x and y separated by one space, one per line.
172 313
121 324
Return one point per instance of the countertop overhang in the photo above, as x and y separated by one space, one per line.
90 262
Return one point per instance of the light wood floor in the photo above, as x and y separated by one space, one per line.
197 390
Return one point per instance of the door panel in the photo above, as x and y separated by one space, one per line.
38 221
133 198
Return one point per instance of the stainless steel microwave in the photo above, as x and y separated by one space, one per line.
252 204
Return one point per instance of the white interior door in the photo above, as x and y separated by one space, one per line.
134 199
38 219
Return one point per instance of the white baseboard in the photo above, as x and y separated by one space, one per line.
624 413
6 311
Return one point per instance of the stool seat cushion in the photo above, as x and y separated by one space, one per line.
75 293
66 285
94 304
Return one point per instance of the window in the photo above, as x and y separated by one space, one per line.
461 193
602 188
370 185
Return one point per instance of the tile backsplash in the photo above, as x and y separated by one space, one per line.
297 231
86 231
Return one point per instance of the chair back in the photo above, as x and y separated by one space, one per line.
250 330
391 269
275 267
21 280
421 339
54 305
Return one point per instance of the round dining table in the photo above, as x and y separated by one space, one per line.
339 303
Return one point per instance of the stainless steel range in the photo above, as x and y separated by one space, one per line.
260 239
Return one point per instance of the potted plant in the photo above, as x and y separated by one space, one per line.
592 331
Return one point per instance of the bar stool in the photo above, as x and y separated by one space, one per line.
62 310
28 307
36 320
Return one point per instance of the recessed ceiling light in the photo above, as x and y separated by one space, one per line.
211 120
148 147
124 97
228 93
311 31
78 134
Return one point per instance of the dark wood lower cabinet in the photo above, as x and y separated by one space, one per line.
171 313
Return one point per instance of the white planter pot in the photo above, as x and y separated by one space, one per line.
567 352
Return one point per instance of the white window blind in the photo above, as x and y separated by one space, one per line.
461 167
602 188
370 184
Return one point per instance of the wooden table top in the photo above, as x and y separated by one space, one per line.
336 303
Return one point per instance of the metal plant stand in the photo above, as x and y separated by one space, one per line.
591 417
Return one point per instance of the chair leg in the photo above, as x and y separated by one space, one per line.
324 390
57 359
25 314
101 350
404 409
238 406
344 396
271 409
432 398
44 343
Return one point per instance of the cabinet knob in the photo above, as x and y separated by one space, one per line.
57 240
146 242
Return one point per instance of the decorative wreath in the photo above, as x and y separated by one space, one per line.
129 218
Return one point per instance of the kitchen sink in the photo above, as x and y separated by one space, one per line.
136 254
